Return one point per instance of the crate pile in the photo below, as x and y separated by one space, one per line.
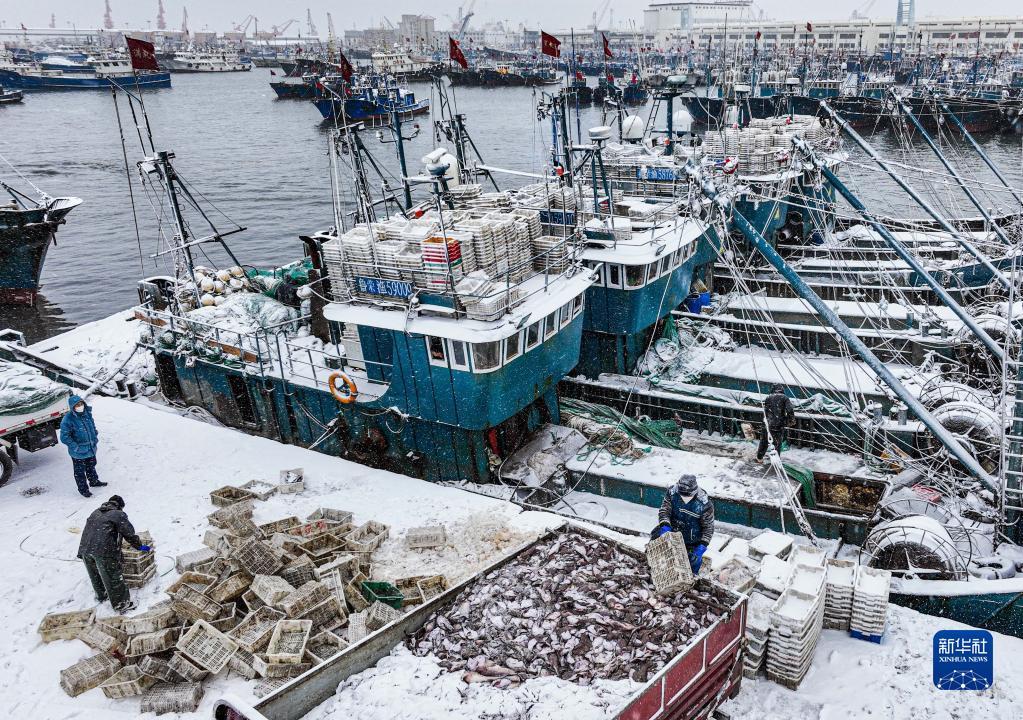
838 600
266 601
870 604
139 567
797 619
765 146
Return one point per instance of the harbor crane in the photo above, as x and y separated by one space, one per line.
243 26
863 11
53 20
184 21
108 16
600 14
309 24
277 31
161 19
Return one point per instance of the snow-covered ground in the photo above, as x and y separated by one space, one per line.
164 465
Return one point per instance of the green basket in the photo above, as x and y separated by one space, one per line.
384 592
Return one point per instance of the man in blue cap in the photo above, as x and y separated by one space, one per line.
687 509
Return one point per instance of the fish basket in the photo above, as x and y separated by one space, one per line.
228 618
353 593
367 537
243 662
409 589
256 558
130 553
169 698
232 588
357 629
137 580
300 571
323 646
219 567
287 644
217 540
154 642
669 564
195 580
267 669
270 588
287 543
219 518
114 627
253 632
96 637
382 592
192 604
433 586
252 601
86 674
380 614
129 681
151 620
260 489
303 599
229 495
187 561
65 626
346 564
243 527
430 536
159 669
268 685
186 668
312 528
328 615
207 647
292 481
279 526
138 566
338 516
321 547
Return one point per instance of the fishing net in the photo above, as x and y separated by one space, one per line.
25 390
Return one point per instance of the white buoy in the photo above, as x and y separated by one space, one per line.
681 121
207 284
236 283
237 272
207 300
219 285
219 300
633 128
223 275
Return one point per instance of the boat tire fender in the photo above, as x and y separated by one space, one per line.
993 567
346 392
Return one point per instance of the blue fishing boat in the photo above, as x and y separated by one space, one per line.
10 97
374 102
103 73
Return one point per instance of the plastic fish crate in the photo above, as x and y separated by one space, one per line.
869 637
158 668
137 580
167 698
357 629
207 647
382 592
328 615
267 669
126 682
190 603
338 516
347 564
232 588
409 589
312 528
353 593
228 618
322 546
268 685
196 580
381 614
367 537
186 668
98 638
324 645
154 642
65 626
187 561
429 536
303 599
252 601
270 588
242 662
217 540
253 632
86 674
432 586
156 618
292 481
261 489
219 518
219 567
229 495
243 527
669 564
287 644
279 526
300 571
256 558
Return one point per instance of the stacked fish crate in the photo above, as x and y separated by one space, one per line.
870 604
796 622
838 601
758 625
139 567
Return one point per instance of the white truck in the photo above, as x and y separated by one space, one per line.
31 407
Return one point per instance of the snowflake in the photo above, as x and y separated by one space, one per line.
963 680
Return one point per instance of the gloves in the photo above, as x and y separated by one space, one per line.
696 557
661 530
144 548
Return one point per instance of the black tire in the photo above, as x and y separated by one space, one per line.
7 465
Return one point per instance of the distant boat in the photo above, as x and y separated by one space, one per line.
33 77
9 97
27 227
373 104
197 62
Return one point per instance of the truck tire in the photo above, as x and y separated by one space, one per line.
6 467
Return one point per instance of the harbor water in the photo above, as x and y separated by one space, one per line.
264 164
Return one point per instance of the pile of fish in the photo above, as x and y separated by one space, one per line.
573 606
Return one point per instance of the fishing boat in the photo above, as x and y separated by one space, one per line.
10 97
28 227
104 72
206 62
373 100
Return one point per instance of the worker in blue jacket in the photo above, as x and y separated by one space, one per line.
687 509
78 432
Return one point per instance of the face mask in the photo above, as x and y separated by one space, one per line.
79 408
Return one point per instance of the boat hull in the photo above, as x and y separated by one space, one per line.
23 249
364 111
22 81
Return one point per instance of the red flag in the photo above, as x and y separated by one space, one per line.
143 54
346 67
607 47
758 36
456 54
809 27
579 75
550 45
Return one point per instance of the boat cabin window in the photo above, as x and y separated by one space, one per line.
550 324
676 258
533 335
486 356
578 303
566 313
634 275
436 347
665 264
614 276
459 357
512 347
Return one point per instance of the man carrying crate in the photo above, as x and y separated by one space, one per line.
687 509
100 550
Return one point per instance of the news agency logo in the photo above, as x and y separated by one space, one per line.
963 660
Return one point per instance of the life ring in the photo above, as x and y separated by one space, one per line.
994 567
349 385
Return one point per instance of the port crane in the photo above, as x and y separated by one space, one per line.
309 24
243 26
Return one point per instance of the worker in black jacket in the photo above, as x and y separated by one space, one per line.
687 509
778 416
100 550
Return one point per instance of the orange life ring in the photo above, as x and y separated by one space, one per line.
349 384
